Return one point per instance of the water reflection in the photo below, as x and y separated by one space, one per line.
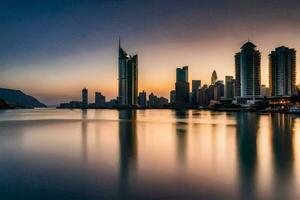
128 150
246 132
181 127
282 148
84 136
149 154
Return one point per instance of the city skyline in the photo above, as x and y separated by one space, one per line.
82 46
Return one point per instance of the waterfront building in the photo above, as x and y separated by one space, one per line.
152 100
247 69
229 87
210 92
113 103
196 85
214 77
157 102
99 100
182 86
202 98
173 97
142 99
218 90
282 71
128 78
85 100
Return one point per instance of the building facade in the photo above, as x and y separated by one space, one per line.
182 86
128 78
142 99
99 100
172 96
84 98
247 69
196 85
229 87
214 77
282 71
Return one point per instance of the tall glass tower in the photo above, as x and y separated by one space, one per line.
182 86
128 78
214 77
282 71
247 71
84 97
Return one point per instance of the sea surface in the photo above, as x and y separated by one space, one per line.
148 154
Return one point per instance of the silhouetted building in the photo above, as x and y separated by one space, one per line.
152 100
247 66
128 78
173 97
214 77
71 104
85 101
202 96
99 100
229 87
142 99
218 90
196 85
210 93
112 103
282 71
182 86
157 102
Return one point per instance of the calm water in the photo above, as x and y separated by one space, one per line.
148 154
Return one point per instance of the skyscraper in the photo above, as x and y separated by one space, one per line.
85 101
196 85
99 100
128 78
218 90
142 99
182 86
173 96
247 69
282 71
214 77
229 87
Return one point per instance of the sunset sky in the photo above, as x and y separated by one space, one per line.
51 49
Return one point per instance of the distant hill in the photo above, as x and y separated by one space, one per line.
16 98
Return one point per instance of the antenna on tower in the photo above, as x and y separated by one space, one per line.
119 42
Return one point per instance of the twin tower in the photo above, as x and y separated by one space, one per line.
128 79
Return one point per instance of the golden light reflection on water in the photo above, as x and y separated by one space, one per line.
161 152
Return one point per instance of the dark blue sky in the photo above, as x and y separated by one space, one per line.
40 38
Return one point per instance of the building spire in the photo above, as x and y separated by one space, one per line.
119 42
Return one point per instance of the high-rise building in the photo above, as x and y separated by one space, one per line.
142 99
214 77
157 102
247 69
99 100
218 90
85 100
182 86
173 97
229 87
196 85
282 71
128 78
